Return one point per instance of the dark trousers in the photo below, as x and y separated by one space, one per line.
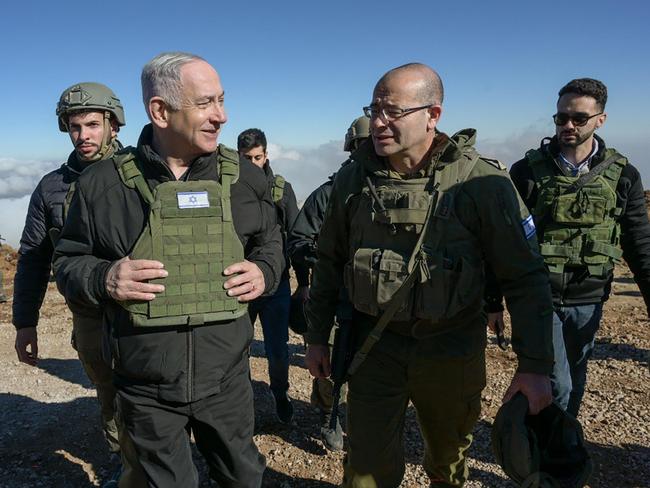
274 316
574 336
222 425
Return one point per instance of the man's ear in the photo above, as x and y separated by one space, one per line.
158 112
115 128
600 120
435 112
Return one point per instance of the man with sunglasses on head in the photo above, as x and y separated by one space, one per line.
409 228
589 209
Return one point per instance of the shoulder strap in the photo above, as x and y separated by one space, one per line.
228 160
538 164
68 199
613 173
278 188
130 174
592 174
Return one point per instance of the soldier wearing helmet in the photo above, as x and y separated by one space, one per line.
358 131
301 247
92 115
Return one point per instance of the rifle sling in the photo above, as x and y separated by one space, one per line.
396 301
587 177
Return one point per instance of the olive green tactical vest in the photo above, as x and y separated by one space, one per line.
384 238
190 230
278 188
577 228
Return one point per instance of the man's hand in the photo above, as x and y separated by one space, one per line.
128 280
301 292
27 336
536 387
495 324
317 360
495 319
248 282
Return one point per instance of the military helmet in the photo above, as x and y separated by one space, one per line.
359 129
540 451
88 96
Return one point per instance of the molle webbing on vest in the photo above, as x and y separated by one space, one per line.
190 230
577 216
278 188
406 285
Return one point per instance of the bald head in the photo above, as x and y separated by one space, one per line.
424 83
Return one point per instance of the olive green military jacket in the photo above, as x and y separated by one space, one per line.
498 228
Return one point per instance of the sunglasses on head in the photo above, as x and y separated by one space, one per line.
562 118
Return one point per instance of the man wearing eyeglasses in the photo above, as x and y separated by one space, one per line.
589 209
410 225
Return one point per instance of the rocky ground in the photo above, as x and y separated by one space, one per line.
50 436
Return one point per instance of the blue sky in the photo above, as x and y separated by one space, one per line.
301 71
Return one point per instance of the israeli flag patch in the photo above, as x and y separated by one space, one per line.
193 199
529 226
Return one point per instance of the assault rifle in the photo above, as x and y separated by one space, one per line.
341 357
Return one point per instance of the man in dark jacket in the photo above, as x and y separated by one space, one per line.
273 310
172 238
302 247
589 209
91 114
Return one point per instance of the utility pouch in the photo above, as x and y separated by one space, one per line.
453 285
372 279
587 206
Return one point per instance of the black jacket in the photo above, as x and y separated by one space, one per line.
301 244
104 222
45 212
286 212
575 286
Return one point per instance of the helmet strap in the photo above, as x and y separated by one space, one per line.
106 148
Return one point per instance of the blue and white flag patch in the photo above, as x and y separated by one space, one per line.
529 226
193 199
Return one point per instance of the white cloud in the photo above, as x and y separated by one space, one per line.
306 168
279 152
19 177
513 147
12 219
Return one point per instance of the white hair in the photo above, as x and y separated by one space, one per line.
161 77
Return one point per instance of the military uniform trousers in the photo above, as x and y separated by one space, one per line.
446 395
222 425
3 297
87 339
322 389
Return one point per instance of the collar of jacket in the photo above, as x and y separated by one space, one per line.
156 167
550 147
77 166
268 171
444 150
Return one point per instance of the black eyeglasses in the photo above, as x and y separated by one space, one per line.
562 118
389 114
